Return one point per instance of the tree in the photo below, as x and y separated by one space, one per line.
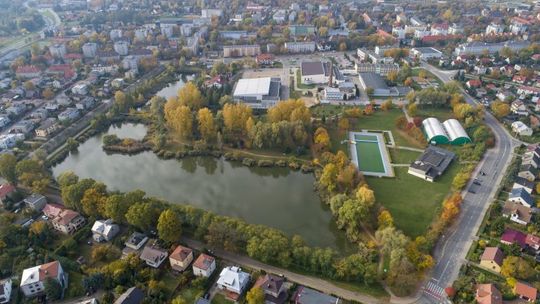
8 163
322 139
343 124
235 117
32 174
48 94
181 121
328 177
53 289
390 239
74 193
67 178
500 109
207 127
387 105
412 109
94 201
384 219
29 85
255 296
169 226
517 267
190 96
143 216
121 101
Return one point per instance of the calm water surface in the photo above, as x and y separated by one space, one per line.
276 197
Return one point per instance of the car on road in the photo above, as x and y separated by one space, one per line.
471 190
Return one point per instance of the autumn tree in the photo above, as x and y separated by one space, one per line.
190 96
517 267
48 94
387 105
181 120
412 109
143 215
32 174
94 200
500 109
255 296
343 124
207 126
290 110
321 139
384 219
169 226
235 117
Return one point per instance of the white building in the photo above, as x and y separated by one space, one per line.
8 141
5 291
104 230
426 53
280 16
33 279
89 49
211 12
233 279
494 29
58 50
478 48
455 29
333 94
80 88
258 93
141 33
167 29
121 47
204 266
115 34
69 114
521 129
300 47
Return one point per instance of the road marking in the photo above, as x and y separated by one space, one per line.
433 290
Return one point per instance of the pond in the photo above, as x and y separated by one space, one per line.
275 197
172 89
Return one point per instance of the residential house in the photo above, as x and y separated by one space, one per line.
33 279
133 295
431 164
521 196
69 114
530 159
204 265
492 259
153 255
306 295
525 292
35 201
8 141
519 108
521 129
28 71
68 221
511 236
6 190
104 230
5 291
265 59
532 241
233 280
473 83
521 183
273 287
181 258
134 243
488 294
517 212
23 127
528 172
47 127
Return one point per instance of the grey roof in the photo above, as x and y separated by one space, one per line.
524 182
202 301
373 80
306 295
312 68
434 161
132 296
153 254
34 198
523 194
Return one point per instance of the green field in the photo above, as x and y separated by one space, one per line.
412 201
369 154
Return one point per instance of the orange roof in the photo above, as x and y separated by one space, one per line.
525 290
52 210
488 294
65 217
180 253
493 254
49 270
6 189
203 261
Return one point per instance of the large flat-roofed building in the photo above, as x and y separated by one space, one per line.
478 48
258 93
319 72
432 163
426 53
379 86
241 50
300 47
379 68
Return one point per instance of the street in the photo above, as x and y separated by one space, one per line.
451 250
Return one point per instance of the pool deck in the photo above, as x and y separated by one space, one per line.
388 169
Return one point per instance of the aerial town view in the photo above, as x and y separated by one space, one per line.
269 151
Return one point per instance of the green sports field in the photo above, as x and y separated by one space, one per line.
369 154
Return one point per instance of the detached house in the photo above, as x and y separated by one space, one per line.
153 255
33 279
530 158
68 221
35 201
180 258
6 190
5 291
104 230
511 236
528 172
492 259
517 213
274 290
519 108
521 183
134 243
233 280
521 196
204 265
488 294
525 292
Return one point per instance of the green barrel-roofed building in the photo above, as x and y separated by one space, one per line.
434 131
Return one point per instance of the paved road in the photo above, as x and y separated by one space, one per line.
309 281
451 250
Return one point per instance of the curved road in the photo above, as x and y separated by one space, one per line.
451 250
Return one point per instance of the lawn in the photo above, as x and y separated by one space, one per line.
301 85
400 156
412 201
441 113
220 299
190 295
171 283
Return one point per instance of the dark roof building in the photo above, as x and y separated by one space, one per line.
306 295
132 296
432 163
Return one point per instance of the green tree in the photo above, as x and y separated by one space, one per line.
517 267
143 216
32 174
255 296
169 226
53 289
8 163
